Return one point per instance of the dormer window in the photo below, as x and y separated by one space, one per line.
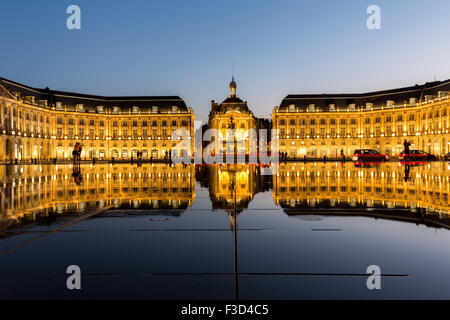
412 101
135 110
100 109
428 98
115 110
332 107
174 109
80 107
442 94
311 108
369 106
59 105
390 103
154 109
352 107
292 108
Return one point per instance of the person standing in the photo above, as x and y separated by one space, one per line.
75 154
406 145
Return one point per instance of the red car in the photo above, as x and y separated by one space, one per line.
416 155
362 155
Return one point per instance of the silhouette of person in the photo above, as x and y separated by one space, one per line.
406 145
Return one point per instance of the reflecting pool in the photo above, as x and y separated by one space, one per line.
161 231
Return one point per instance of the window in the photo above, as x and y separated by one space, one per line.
59 120
91 122
292 122
388 130
71 122
282 122
81 122
135 123
124 124
174 123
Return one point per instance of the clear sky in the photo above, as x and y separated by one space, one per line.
188 48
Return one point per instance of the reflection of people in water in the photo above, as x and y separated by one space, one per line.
407 170
77 178
76 174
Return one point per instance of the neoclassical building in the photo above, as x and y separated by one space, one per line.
325 125
233 114
44 124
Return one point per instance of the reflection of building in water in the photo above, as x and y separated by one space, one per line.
323 125
223 180
232 186
302 187
42 124
25 190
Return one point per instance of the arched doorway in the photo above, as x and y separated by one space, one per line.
436 147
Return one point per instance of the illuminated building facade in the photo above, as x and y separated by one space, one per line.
45 124
326 125
234 121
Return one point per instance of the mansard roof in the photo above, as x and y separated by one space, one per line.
378 99
90 102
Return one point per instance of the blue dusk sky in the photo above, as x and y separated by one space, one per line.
188 48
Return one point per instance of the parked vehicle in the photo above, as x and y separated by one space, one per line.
447 156
417 155
362 155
